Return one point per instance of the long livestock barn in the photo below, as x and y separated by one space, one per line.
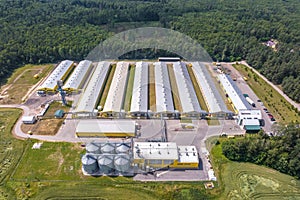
235 95
248 118
61 72
116 94
163 93
91 95
139 101
188 99
138 104
214 102
78 77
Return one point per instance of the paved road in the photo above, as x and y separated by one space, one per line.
245 88
297 105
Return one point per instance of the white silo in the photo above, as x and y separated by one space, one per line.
122 162
93 148
106 163
108 148
122 148
89 163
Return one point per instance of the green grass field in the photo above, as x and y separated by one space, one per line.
174 88
273 101
22 80
107 85
250 181
129 88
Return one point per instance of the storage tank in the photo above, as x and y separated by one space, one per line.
106 163
89 163
122 162
122 148
108 148
93 148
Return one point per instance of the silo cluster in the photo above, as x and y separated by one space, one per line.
107 159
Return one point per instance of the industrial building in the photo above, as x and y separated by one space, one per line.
163 95
247 118
78 77
107 158
214 102
116 94
106 128
29 119
90 97
61 72
139 101
187 96
154 155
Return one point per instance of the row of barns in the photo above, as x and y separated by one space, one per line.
90 79
247 117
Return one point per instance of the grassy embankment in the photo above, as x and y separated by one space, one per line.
151 88
273 101
129 88
22 80
249 181
107 84
174 88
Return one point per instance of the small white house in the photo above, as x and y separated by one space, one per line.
29 119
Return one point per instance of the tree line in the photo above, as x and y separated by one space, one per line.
281 152
43 31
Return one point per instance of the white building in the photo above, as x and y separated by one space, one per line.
78 77
29 119
61 72
139 101
248 118
163 95
116 94
214 102
106 128
187 96
90 96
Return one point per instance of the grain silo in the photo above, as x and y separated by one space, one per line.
93 148
122 148
122 162
89 164
108 148
106 163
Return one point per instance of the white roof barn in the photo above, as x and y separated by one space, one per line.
115 96
89 98
59 73
139 101
163 95
78 77
211 95
187 95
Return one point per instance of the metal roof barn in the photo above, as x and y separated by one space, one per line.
211 95
59 73
78 76
234 93
105 128
90 97
139 101
163 95
186 92
115 96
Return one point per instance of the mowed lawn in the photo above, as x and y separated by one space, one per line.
250 181
273 101
22 80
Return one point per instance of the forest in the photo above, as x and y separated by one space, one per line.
48 31
281 152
